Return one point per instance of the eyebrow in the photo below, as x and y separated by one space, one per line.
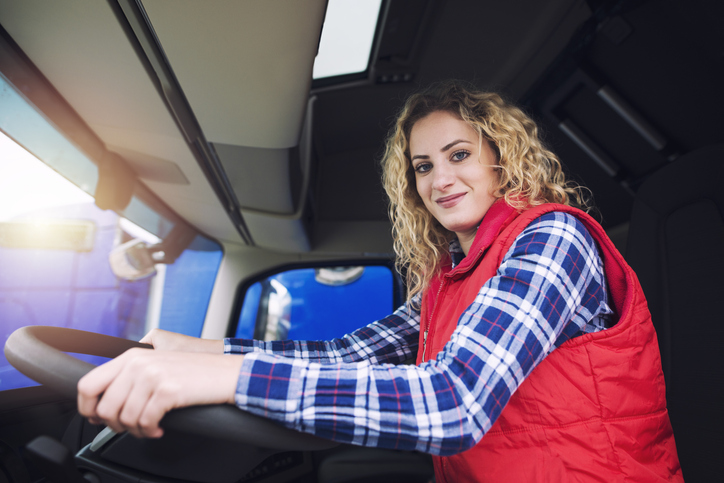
442 150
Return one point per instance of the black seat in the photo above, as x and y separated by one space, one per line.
676 246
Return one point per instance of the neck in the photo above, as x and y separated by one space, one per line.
466 240
494 217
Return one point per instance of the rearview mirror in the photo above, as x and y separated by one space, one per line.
133 260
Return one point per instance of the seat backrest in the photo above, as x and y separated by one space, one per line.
676 247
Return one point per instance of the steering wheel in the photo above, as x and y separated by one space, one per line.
39 353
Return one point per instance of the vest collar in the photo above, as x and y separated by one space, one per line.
495 220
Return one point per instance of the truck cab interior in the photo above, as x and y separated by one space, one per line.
229 158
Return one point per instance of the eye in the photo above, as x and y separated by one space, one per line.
459 155
423 168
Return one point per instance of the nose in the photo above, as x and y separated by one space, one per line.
443 177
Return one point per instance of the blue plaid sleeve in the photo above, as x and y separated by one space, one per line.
548 288
393 339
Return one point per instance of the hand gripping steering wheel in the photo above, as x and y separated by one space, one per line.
39 353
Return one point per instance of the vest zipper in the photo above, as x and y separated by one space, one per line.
424 344
429 321
474 262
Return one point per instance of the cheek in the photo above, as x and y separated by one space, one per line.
421 187
415 190
423 192
492 180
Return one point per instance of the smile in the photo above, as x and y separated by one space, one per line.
450 201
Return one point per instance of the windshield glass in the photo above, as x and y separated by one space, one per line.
54 254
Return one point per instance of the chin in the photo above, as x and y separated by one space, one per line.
461 227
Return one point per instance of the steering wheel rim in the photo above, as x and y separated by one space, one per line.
39 353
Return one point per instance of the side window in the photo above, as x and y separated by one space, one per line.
316 303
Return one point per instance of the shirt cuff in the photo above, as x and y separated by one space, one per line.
271 386
238 346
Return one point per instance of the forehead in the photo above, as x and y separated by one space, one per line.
439 128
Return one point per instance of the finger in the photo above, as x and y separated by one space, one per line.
115 398
136 401
160 402
92 385
148 338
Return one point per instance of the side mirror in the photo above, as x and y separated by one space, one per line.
338 276
133 260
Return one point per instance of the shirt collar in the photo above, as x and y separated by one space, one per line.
456 252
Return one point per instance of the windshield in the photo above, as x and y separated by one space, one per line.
55 245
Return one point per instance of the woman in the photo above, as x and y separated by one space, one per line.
536 357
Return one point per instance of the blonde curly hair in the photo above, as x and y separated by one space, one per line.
530 174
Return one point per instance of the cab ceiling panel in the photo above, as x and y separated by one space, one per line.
245 66
81 49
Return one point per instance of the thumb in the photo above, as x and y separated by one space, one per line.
148 338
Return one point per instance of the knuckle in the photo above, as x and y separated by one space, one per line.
104 412
167 391
147 425
126 421
152 373
84 387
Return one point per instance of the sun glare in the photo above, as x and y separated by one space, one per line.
27 184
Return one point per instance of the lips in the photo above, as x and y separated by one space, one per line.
450 201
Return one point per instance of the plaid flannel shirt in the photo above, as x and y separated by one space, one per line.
352 389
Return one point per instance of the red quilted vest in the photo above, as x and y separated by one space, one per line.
593 410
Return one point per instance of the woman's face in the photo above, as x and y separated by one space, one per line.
455 172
